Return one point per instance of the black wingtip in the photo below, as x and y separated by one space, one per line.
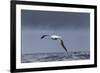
43 36
63 46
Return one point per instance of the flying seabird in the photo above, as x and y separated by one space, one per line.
56 37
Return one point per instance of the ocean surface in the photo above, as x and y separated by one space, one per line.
55 56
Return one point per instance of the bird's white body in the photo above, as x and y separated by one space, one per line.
55 37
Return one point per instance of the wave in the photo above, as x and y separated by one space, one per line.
55 56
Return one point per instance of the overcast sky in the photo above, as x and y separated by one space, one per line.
73 27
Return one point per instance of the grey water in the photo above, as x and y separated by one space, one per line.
55 56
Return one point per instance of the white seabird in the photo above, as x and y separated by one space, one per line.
56 37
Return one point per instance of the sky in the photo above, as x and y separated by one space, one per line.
73 27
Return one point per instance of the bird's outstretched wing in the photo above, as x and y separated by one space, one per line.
43 36
62 44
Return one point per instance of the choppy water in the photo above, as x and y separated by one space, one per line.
59 56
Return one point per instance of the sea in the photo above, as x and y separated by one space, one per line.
55 56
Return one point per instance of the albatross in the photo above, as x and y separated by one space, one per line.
56 37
